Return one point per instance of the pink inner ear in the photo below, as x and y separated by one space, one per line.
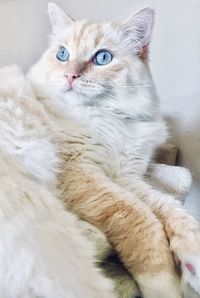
190 267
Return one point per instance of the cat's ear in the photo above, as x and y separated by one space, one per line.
137 30
58 18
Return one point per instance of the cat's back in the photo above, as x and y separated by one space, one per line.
25 129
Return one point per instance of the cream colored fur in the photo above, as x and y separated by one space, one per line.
104 169
43 252
100 144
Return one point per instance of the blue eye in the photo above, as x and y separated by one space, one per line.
62 54
103 57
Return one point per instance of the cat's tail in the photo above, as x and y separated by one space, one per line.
43 252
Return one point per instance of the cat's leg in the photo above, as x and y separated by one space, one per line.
99 240
182 229
130 226
125 286
173 179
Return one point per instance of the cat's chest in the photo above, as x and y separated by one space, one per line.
129 145
24 135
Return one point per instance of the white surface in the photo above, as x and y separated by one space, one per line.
175 58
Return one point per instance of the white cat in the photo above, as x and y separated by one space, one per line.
115 130
98 74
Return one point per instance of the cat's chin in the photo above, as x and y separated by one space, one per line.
75 99
76 95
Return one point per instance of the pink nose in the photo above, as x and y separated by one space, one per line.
72 77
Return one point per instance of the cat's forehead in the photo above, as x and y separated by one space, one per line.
87 37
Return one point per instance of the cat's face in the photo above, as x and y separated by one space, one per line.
89 63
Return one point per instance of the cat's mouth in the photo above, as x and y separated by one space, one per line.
86 88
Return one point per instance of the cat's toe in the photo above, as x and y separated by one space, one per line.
191 274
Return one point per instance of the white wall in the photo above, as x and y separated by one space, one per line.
175 55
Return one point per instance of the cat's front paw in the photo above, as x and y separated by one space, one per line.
186 248
173 179
191 274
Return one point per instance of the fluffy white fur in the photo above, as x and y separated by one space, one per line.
173 179
42 250
120 111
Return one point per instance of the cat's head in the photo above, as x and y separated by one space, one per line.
94 64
